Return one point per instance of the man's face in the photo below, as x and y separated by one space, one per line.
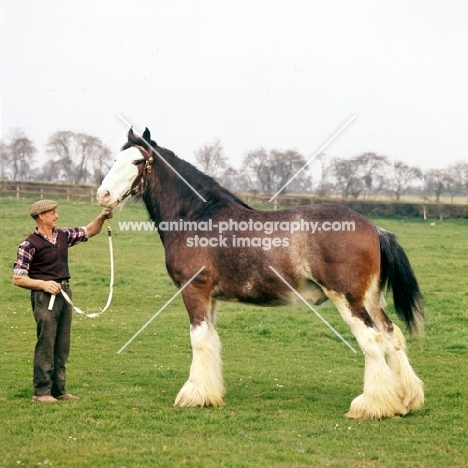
49 218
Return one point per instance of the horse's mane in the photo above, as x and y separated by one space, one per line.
215 195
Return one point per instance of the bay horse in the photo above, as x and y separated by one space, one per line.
320 251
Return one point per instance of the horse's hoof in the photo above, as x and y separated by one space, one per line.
191 396
367 407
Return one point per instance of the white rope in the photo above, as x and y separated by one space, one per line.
111 285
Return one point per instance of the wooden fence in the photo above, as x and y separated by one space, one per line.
40 190
371 208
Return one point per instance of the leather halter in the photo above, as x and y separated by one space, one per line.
148 160
147 155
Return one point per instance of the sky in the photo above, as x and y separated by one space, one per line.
254 74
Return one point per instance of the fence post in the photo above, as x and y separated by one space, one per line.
92 196
68 193
42 193
17 191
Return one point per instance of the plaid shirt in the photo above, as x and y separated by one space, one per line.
26 251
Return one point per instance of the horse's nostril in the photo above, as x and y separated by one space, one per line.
103 195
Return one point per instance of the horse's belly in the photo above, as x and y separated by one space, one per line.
251 296
253 300
269 296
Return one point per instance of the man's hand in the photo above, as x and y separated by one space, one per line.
52 287
94 227
107 213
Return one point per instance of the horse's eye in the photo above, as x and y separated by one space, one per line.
137 162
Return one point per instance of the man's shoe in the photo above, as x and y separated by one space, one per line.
68 397
44 399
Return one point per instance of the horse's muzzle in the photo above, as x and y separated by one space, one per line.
104 199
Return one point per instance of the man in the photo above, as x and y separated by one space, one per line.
42 266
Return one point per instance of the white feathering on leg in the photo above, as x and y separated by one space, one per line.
409 385
205 386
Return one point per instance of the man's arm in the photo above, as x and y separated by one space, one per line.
36 284
95 226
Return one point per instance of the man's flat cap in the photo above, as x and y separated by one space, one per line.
41 206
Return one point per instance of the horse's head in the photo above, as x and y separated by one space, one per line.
126 176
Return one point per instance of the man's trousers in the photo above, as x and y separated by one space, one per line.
53 342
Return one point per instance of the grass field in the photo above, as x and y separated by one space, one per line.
289 379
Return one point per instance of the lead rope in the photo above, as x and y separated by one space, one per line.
111 285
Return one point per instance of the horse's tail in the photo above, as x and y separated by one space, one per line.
396 273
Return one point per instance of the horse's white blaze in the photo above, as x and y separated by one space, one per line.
119 179
205 386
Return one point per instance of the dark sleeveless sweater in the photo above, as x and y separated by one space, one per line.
50 261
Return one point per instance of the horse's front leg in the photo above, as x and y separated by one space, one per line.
205 385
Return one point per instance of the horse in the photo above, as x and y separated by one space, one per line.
318 251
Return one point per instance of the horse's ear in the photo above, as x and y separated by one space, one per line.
131 136
147 135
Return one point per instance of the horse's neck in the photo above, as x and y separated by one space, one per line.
168 197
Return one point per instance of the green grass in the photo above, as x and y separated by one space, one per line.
289 379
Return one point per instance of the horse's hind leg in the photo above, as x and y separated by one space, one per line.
409 385
205 385
381 396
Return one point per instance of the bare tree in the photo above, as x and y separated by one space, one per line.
86 145
460 172
434 183
21 152
348 180
363 174
372 167
93 158
403 175
60 144
286 165
258 161
273 169
101 163
211 159
455 179
78 155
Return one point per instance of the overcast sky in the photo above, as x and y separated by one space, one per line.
255 73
